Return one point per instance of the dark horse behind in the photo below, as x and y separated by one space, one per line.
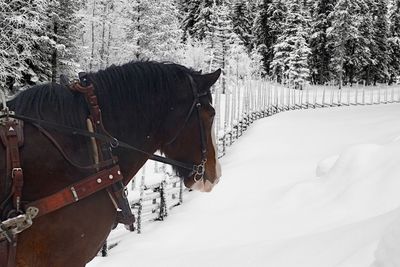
145 104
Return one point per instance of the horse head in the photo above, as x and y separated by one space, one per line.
189 131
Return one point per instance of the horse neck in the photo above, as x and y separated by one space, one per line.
130 128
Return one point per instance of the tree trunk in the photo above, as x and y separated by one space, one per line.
93 26
138 29
103 35
108 44
54 60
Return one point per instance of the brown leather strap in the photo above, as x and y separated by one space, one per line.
14 162
12 137
95 112
77 191
91 98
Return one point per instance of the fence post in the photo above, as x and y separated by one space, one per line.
386 94
379 94
348 96
363 95
180 191
142 187
372 96
356 98
392 98
315 97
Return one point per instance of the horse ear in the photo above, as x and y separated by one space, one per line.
205 81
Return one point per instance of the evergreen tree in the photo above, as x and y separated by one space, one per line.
23 60
202 19
65 27
189 10
298 70
343 34
220 36
394 40
154 30
380 37
320 52
243 20
267 27
291 50
365 45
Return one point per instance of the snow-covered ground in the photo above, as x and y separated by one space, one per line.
312 188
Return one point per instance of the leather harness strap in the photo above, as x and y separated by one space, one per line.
14 162
77 191
12 138
116 193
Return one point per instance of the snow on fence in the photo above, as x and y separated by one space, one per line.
156 189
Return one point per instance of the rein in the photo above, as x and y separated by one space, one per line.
114 143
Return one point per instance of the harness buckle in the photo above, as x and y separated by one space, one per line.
14 170
199 170
15 225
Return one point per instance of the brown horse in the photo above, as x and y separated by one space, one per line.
145 104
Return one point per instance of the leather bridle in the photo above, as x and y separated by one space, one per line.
198 170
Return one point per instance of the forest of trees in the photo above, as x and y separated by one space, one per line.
290 41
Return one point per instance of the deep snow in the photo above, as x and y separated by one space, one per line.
313 188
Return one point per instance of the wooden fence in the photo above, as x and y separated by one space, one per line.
156 189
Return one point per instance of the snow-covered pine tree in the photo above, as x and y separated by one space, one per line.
64 27
267 27
219 36
154 30
23 59
202 19
320 52
379 70
243 16
298 70
341 37
394 41
365 44
291 49
189 10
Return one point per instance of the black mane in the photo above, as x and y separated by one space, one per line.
148 87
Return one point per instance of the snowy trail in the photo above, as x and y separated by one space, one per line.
271 208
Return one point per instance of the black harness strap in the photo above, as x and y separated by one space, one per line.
114 142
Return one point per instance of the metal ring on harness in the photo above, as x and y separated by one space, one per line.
199 170
114 143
